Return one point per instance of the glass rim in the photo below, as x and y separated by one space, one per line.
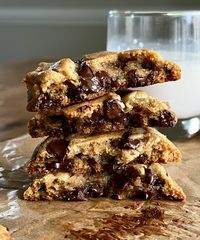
183 13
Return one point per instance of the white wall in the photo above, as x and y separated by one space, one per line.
53 29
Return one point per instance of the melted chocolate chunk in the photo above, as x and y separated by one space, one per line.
94 191
57 118
169 74
93 165
159 182
166 119
104 79
153 122
73 92
127 143
68 127
143 195
44 102
142 158
85 71
135 80
148 65
122 177
112 109
89 82
149 176
57 148
138 81
42 188
90 85
136 120
115 85
77 194
131 144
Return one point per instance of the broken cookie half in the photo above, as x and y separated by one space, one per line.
63 83
104 114
131 181
94 154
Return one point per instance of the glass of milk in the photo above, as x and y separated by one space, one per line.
176 36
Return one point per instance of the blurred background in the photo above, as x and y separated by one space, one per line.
52 29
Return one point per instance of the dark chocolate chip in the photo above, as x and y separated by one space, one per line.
115 143
135 80
93 165
123 176
89 82
73 92
153 122
95 190
142 158
112 109
159 182
57 118
149 176
42 188
104 79
115 85
136 120
169 74
127 143
118 180
57 148
143 195
167 119
73 195
148 65
80 61
45 102
67 165
131 144
85 71
90 85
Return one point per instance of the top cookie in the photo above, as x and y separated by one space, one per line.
59 84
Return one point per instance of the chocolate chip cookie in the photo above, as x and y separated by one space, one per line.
132 181
102 152
4 234
104 114
59 84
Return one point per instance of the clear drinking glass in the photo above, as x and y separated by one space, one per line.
176 36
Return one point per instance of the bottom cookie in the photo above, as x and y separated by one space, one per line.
132 181
4 234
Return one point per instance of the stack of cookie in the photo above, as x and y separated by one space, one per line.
100 137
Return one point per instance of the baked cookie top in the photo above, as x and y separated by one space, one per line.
65 82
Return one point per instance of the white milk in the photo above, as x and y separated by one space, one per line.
182 95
